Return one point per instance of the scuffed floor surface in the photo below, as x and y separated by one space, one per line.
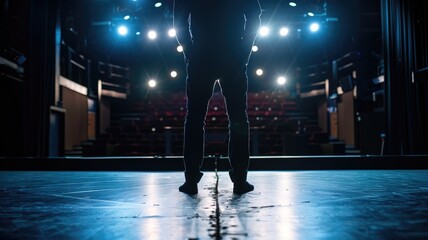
148 205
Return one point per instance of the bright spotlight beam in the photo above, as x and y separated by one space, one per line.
281 80
152 34
314 27
152 83
122 30
264 31
283 31
172 33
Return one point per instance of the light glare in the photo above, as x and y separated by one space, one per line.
152 83
158 4
283 31
180 48
122 30
152 35
174 74
314 27
264 31
259 72
292 4
281 80
255 48
172 32
127 17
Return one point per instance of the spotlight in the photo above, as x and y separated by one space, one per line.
152 83
254 48
152 35
138 33
292 4
259 72
158 4
127 17
122 30
174 74
283 31
172 32
314 27
264 31
281 80
311 14
180 48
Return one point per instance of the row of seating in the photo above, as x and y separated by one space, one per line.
155 127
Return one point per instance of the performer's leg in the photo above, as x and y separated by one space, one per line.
198 92
234 89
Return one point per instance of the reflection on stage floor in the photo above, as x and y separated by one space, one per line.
367 204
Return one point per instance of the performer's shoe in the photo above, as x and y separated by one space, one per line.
242 187
191 185
189 188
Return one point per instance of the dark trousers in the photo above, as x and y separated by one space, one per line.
203 69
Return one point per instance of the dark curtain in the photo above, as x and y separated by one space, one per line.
39 77
404 27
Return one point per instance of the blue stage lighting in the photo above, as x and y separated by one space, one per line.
283 31
314 27
152 83
172 32
158 4
292 4
127 17
264 31
281 80
122 30
152 34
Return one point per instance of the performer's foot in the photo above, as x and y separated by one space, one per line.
242 187
189 188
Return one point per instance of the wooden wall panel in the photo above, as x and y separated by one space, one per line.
76 117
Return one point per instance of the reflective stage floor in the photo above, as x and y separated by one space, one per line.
345 204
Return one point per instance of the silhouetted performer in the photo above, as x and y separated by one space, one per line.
217 36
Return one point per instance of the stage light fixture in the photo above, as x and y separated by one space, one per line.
158 4
127 17
122 30
264 31
314 27
174 74
292 4
259 72
172 33
180 48
311 14
281 80
138 33
283 31
254 48
152 83
152 34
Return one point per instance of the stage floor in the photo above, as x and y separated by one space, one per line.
353 204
